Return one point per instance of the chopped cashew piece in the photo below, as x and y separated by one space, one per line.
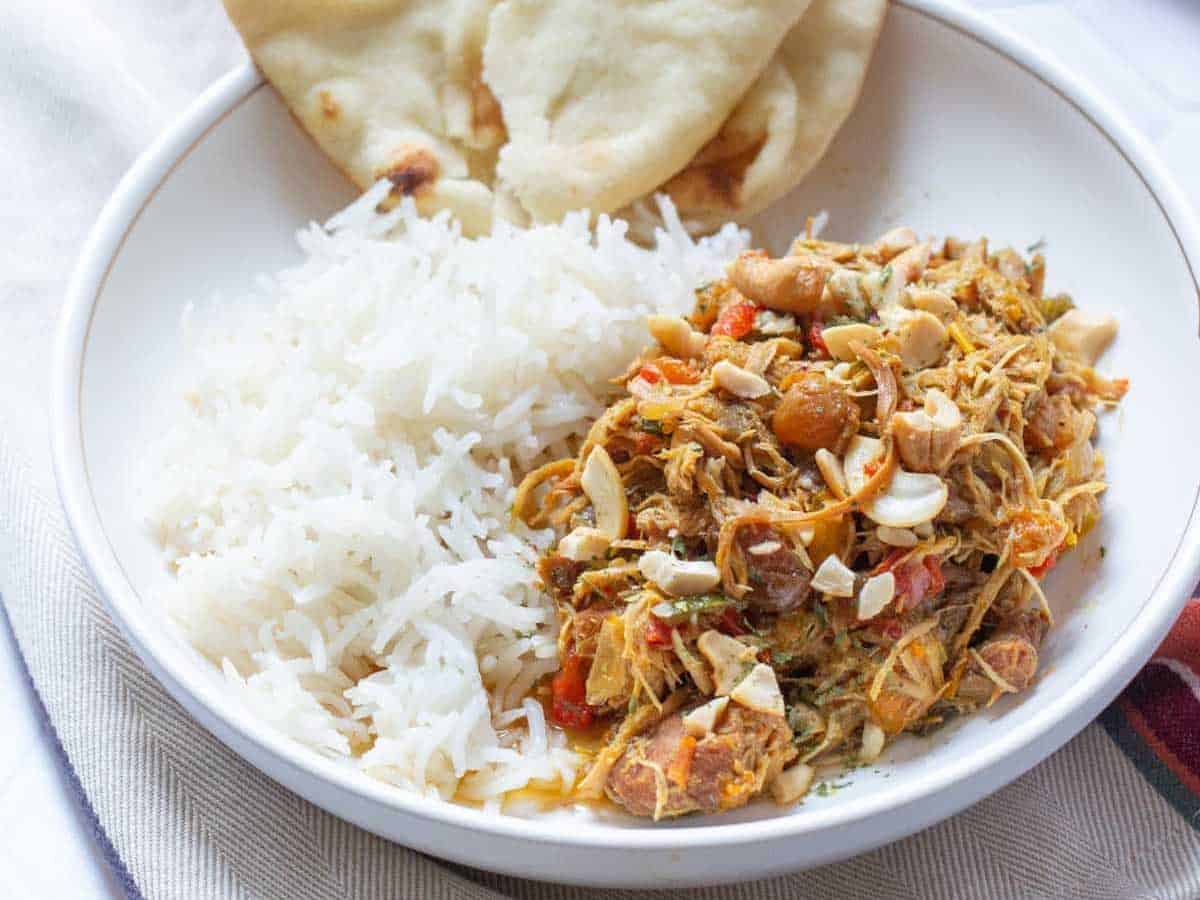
876 594
928 438
845 290
837 339
775 323
602 483
933 301
885 286
908 499
907 267
678 577
895 537
895 241
729 658
911 498
922 338
703 719
676 335
1085 335
831 470
766 548
873 738
584 544
759 691
860 453
739 381
791 784
832 577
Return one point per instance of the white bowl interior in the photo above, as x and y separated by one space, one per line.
950 137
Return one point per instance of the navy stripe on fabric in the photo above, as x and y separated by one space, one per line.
1151 767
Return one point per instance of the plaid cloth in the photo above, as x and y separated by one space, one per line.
1156 721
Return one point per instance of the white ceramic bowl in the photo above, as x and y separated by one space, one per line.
962 129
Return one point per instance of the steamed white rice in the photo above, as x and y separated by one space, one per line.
334 496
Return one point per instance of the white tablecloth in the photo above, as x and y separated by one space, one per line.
85 85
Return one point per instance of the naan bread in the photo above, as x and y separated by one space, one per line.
714 102
389 89
785 123
604 100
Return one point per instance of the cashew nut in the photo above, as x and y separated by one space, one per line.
738 381
678 577
895 241
584 544
927 438
876 594
676 336
838 337
759 691
1083 335
791 284
833 577
922 338
602 483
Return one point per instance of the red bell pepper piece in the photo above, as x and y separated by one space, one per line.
568 707
736 320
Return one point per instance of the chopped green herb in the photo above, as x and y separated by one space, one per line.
686 607
821 614
678 547
828 788
651 426
1103 551
1053 307
1039 244
885 276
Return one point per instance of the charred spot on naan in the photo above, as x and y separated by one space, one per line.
413 169
330 108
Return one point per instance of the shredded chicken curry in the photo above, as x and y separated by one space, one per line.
817 516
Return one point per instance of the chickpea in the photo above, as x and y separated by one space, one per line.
814 413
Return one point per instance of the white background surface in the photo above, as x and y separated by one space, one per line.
1141 53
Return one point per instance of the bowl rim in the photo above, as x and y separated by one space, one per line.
1053 725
